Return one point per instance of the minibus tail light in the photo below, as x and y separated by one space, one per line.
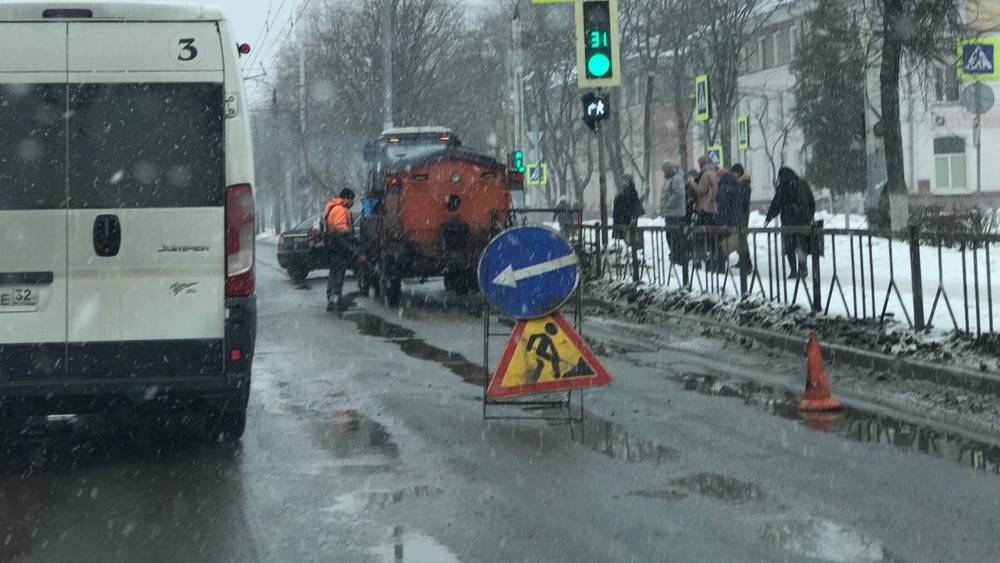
240 241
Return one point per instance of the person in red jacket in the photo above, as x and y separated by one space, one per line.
341 244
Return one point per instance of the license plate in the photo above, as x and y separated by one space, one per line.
18 299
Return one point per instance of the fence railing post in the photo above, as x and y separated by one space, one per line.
635 235
600 252
685 241
744 258
817 243
916 278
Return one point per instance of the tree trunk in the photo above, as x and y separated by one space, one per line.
647 138
892 51
680 119
613 142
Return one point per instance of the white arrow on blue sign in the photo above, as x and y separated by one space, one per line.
528 272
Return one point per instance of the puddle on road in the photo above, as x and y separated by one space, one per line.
721 487
413 547
358 441
372 325
825 540
662 494
361 501
598 434
855 425
611 440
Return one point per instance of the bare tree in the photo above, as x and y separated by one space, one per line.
924 29
643 38
726 34
447 71
553 105
775 147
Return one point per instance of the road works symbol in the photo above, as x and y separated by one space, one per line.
546 355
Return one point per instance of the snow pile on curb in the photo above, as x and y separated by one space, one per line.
891 338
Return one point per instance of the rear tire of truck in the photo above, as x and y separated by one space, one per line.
298 274
365 283
392 291
228 425
462 283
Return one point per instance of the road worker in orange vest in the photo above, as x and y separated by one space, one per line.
341 244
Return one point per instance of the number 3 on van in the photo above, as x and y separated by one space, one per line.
188 52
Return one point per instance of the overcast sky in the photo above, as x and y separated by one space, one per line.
248 18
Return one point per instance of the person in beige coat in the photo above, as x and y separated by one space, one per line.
706 209
706 192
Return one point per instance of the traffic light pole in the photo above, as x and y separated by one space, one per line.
603 182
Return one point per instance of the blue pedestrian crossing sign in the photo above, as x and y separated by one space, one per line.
717 155
528 272
538 174
977 58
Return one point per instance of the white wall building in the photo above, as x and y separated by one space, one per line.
939 153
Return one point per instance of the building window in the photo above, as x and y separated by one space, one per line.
767 51
946 86
784 46
949 164
793 42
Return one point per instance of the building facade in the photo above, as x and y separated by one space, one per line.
938 137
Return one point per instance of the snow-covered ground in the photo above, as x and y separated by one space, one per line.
943 278
268 236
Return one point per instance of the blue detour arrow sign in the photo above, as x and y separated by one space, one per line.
528 272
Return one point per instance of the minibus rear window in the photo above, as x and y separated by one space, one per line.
32 146
146 145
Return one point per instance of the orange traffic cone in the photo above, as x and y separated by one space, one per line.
817 397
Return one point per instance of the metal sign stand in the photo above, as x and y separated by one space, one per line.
569 410
567 407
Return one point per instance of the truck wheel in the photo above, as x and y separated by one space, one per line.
228 425
392 290
298 273
472 281
366 279
451 282
461 283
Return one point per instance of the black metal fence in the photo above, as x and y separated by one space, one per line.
927 278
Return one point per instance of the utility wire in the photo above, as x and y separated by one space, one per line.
267 32
281 46
263 28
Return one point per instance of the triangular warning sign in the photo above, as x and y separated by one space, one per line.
545 355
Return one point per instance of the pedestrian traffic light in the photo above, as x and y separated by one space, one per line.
598 54
596 108
517 162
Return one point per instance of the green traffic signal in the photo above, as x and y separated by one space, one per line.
519 162
598 41
598 65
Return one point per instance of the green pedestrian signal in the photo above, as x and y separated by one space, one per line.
598 53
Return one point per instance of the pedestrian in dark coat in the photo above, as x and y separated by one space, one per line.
732 200
627 207
745 264
794 203
563 214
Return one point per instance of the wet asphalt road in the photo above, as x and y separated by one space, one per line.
366 442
